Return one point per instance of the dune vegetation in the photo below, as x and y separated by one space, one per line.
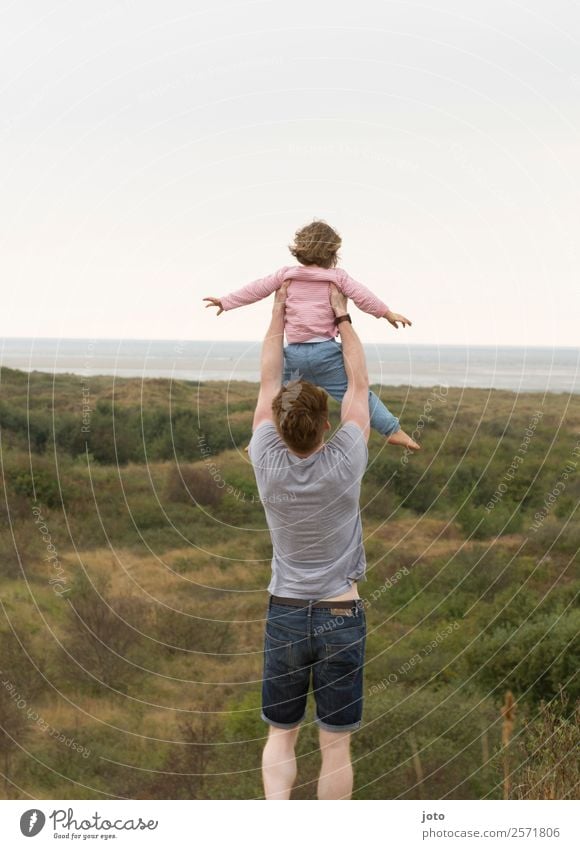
134 561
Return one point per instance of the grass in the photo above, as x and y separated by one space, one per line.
170 571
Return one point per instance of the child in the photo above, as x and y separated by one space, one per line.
312 350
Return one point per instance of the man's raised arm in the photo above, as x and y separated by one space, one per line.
272 361
355 404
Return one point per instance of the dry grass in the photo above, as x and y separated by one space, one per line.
548 749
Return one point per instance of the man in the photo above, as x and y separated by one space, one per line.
310 490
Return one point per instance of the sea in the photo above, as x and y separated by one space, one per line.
517 369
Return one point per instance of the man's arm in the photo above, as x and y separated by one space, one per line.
355 404
272 361
249 294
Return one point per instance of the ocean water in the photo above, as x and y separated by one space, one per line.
511 368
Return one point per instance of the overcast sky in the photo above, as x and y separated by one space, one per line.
157 152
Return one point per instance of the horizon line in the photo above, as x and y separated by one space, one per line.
259 342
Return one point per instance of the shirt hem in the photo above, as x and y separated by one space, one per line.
325 593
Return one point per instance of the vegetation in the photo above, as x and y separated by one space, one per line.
134 561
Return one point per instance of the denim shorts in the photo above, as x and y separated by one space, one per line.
324 645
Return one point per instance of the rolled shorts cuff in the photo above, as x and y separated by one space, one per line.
284 725
354 726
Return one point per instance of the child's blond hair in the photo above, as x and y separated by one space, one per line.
316 244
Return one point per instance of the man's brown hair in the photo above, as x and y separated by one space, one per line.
300 413
316 244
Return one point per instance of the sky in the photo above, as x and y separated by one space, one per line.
154 153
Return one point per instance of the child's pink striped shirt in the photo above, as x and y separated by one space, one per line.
309 315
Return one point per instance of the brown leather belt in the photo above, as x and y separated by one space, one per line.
324 605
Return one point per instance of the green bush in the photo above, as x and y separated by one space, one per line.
477 523
417 489
377 501
190 634
39 485
555 536
532 660
103 636
146 513
423 743
192 485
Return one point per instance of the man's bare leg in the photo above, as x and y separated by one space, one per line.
279 762
335 780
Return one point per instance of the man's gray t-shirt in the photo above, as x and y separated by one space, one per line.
312 507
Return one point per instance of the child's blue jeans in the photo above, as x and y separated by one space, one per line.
321 363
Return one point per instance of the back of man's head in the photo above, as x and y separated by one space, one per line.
300 412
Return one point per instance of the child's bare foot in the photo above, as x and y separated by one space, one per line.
404 440
246 448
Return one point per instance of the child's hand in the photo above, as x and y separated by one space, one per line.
215 302
394 317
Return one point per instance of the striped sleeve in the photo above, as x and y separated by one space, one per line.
365 300
254 291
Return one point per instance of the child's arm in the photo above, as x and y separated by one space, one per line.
249 294
367 301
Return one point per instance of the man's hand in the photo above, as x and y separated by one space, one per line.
281 295
394 317
215 302
338 301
